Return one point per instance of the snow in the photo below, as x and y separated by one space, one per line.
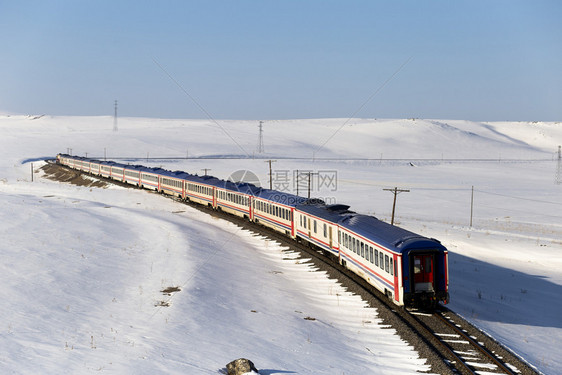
83 268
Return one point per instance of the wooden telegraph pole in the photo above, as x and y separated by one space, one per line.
270 171
396 191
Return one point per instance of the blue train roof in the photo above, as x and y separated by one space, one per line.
281 197
333 213
390 236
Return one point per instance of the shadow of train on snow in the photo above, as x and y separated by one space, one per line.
489 292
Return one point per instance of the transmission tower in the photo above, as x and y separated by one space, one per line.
115 118
260 139
558 179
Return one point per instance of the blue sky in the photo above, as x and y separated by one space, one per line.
474 60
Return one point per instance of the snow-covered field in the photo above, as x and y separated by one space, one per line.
82 269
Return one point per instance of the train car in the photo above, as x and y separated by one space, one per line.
105 168
117 172
150 178
276 209
236 198
95 167
202 189
173 183
131 174
317 224
409 268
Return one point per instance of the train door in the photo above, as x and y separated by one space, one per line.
251 207
423 273
291 218
330 234
397 287
309 228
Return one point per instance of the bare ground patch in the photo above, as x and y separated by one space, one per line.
56 172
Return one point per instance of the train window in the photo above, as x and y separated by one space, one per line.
381 260
362 249
290 215
354 246
396 268
391 267
417 265
427 266
386 263
276 211
325 231
371 253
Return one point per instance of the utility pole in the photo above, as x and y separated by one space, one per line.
471 205
115 118
558 179
260 139
396 191
309 181
270 173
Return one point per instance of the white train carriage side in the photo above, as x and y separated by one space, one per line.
379 265
316 224
95 167
131 175
202 190
276 210
150 179
117 172
173 183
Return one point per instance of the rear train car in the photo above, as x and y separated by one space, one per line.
410 269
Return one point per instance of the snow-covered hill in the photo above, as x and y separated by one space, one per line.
83 268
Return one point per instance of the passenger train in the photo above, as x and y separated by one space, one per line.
410 269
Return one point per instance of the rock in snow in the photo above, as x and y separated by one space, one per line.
241 366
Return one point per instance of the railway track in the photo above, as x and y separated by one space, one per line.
450 344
